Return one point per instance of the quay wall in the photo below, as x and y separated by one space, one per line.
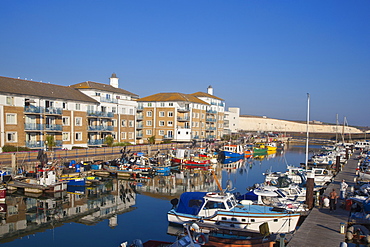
264 124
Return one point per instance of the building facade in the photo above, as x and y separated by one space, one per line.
80 115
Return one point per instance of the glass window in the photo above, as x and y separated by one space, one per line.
170 114
131 123
161 123
78 136
169 123
149 113
65 136
123 123
11 136
65 121
149 132
78 121
78 107
149 123
11 118
161 113
123 135
9 100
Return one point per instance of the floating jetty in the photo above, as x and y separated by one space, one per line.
322 228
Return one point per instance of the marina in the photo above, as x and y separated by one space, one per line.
267 196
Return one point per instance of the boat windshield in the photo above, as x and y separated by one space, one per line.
214 205
231 202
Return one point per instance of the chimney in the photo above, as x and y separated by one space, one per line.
113 80
210 90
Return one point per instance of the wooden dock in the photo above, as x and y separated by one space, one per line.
321 228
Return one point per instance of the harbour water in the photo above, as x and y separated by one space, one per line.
119 210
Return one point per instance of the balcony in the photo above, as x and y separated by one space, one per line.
182 119
53 127
34 144
95 142
103 99
100 128
100 114
210 120
140 108
210 128
139 126
54 111
139 117
168 137
33 126
33 109
183 109
211 112
139 135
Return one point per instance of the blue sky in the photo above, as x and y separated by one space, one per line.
261 56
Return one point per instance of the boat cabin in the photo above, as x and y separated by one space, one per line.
205 204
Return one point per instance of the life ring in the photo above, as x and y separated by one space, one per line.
212 194
200 239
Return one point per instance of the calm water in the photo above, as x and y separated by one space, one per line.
120 210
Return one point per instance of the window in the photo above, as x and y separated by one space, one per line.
114 109
123 135
131 111
9 100
161 123
11 136
162 104
131 123
11 118
149 123
97 94
161 132
170 104
114 135
131 135
149 104
114 122
170 114
64 105
78 107
65 136
65 121
149 113
78 136
78 121
161 113
123 110
169 123
149 132
123 123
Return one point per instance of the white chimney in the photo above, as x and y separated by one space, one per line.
113 80
210 90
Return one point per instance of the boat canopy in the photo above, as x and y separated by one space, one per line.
190 202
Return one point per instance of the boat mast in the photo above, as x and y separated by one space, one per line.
308 121
336 131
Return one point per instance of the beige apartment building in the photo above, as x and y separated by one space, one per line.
80 115
180 117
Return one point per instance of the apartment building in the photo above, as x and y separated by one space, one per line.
79 115
179 117
115 115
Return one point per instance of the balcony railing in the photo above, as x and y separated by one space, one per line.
139 126
54 111
34 109
139 135
33 126
211 128
139 117
54 127
100 128
140 108
103 99
211 120
211 112
183 109
95 142
167 137
34 144
100 114
183 118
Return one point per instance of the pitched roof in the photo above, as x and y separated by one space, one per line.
43 90
163 97
102 87
202 94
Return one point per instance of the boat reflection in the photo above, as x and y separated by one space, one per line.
23 215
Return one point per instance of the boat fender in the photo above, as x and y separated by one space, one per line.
200 238
273 182
353 230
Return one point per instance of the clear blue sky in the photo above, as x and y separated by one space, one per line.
261 56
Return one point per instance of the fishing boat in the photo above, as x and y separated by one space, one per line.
232 151
222 209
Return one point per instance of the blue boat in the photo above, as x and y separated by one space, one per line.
232 151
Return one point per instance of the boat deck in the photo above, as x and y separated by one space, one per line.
321 228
